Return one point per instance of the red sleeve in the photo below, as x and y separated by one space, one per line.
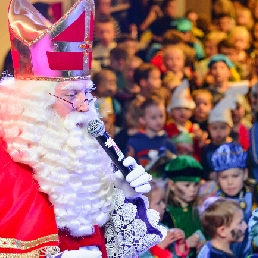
159 252
27 218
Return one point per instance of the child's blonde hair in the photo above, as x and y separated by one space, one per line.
217 213
199 92
215 36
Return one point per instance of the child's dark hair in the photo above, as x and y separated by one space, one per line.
151 101
105 19
124 37
173 37
119 53
143 72
226 43
100 76
218 213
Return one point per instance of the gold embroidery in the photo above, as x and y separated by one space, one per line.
50 250
24 245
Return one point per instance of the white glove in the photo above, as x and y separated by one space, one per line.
82 253
136 182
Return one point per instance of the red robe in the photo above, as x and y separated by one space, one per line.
27 223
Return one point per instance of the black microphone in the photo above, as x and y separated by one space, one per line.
96 129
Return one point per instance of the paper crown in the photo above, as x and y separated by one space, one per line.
55 52
227 156
183 137
184 168
238 88
181 97
222 111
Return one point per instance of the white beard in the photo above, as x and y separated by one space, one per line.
78 179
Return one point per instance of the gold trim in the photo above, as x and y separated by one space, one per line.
51 250
24 245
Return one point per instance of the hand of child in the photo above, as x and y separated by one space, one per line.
193 241
178 234
169 239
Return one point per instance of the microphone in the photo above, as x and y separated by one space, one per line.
96 129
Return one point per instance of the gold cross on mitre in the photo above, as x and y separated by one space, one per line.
87 46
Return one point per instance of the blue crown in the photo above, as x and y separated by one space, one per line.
227 156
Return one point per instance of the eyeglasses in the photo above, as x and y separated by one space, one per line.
75 103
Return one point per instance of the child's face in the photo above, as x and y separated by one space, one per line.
108 87
171 9
220 72
231 181
231 53
225 24
241 41
154 118
238 114
202 106
106 32
181 115
174 60
210 48
185 192
219 131
157 202
184 148
154 79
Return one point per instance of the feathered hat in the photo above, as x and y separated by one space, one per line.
227 156
54 52
181 97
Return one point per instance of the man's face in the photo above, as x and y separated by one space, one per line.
231 181
106 32
171 9
220 72
72 97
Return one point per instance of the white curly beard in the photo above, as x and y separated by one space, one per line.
69 165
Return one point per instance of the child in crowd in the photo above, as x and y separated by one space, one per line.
184 144
244 18
222 220
219 127
105 31
219 66
184 174
225 22
173 245
203 105
148 77
180 111
129 42
132 125
166 22
229 162
118 59
241 38
239 131
105 83
211 48
174 62
153 119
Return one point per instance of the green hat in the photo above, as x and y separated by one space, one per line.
184 25
183 137
184 168
219 57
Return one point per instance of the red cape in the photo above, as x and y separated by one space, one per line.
27 218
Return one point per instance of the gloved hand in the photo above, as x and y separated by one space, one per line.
82 253
136 182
